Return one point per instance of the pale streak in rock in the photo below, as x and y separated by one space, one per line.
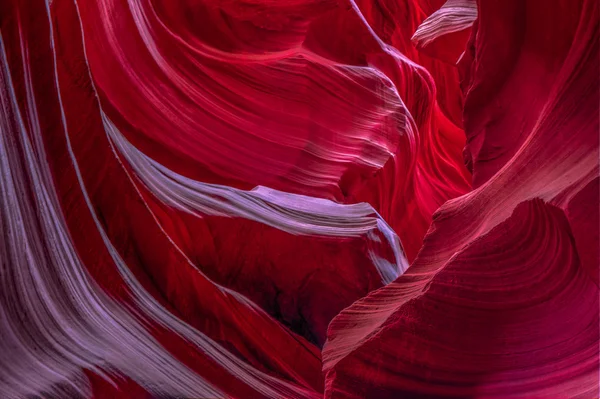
453 16
292 213
55 319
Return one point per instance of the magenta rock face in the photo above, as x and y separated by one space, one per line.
305 199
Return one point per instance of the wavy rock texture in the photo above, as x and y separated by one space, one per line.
556 162
444 33
299 198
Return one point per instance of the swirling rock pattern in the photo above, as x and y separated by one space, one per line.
299 198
